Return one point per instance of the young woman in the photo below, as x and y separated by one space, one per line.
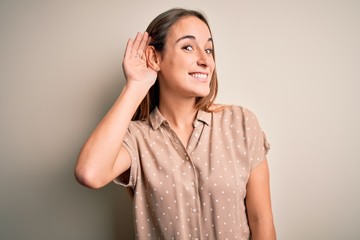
197 170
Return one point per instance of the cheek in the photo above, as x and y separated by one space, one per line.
184 61
175 62
212 63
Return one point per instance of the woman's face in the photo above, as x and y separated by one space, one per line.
187 63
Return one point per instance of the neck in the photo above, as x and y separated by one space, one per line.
179 113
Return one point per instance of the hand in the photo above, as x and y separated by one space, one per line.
134 63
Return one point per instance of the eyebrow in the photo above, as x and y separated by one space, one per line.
190 37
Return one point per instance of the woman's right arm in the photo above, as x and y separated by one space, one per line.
103 157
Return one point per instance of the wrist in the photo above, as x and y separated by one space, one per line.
136 90
138 85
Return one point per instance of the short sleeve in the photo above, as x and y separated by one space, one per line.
257 143
128 178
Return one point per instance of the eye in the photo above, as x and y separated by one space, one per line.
188 48
209 51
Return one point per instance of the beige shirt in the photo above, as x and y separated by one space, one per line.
195 192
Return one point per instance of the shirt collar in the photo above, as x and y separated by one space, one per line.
156 119
202 116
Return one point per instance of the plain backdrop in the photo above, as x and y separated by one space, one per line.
295 64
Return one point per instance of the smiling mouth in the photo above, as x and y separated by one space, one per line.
202 76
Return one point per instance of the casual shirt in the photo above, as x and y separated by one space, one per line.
197 191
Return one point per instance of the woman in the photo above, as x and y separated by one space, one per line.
197 170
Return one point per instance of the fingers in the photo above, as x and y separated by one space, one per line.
128 49
136 44
139 44
143 43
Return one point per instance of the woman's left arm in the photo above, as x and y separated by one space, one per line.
258 204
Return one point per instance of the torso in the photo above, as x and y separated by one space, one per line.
193 185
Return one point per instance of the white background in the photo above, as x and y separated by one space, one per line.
294 63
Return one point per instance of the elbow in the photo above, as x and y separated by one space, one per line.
262 229
87 178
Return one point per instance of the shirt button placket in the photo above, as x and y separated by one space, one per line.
194 211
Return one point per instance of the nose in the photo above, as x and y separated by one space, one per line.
203 59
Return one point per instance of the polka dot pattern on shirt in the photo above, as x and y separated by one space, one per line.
198 191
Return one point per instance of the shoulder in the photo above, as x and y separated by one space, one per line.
234 110
234 115
139 126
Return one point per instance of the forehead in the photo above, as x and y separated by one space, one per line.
189 26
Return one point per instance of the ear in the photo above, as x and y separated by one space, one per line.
152 58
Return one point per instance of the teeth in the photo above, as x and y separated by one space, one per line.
199 75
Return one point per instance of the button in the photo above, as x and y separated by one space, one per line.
194 210
196 135
192 183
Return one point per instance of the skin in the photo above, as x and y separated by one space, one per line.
186 60
184 71
188 54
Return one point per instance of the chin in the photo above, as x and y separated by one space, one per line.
203 93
